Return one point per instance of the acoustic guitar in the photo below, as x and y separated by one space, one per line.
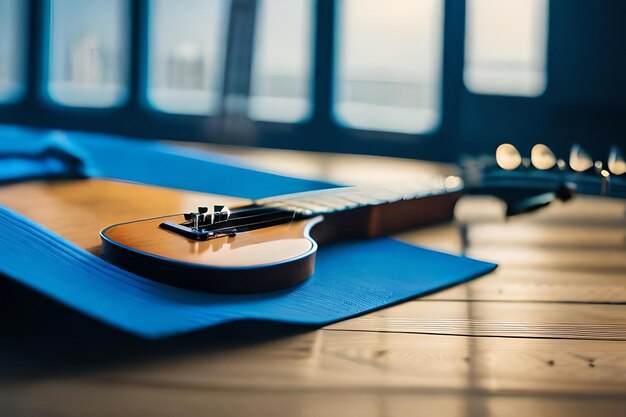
271 243
233 245
227 245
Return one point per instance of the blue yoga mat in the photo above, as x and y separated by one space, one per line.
350 278
149 162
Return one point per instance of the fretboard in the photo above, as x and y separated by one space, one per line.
332 200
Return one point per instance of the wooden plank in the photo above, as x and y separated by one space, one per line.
519 284
78 209
80 398
587 260
509 359
582 210
524 319
524 233
572 257
355 361
547 236
445 237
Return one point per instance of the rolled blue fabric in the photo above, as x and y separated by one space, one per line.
25 156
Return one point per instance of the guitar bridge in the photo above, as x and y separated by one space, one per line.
197 222
197 234
201 225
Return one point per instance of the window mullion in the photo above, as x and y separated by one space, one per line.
239 57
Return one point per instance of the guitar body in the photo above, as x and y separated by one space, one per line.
78 210
101 216
260 260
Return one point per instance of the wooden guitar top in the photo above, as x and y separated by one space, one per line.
257 247
245 260
78 209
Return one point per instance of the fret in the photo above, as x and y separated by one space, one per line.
337 202
299 210
301 204
310 205
302 210
386 196
326 207
364 191
306 204
308 195
361 199
345 198
334 197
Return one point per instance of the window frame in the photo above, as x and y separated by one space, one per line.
230 124
21 55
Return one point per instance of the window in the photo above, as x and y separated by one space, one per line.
505 50
88 52
11 41
187 44
281 72
388 74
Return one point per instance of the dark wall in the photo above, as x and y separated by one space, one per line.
585 101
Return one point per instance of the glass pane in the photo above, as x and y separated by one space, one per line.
11 48
389 61
88 52
187 39
505 50
281 71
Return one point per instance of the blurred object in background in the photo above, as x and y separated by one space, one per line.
508 157
579 159
281 81
88 64
12 14
505 47
186 55
528 183
616 163
429 79
388 71
542 157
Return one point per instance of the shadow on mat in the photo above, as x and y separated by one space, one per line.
42 338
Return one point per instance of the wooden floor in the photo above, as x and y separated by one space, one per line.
545 334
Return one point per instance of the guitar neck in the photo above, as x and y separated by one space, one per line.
334 200
350 211
536 181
